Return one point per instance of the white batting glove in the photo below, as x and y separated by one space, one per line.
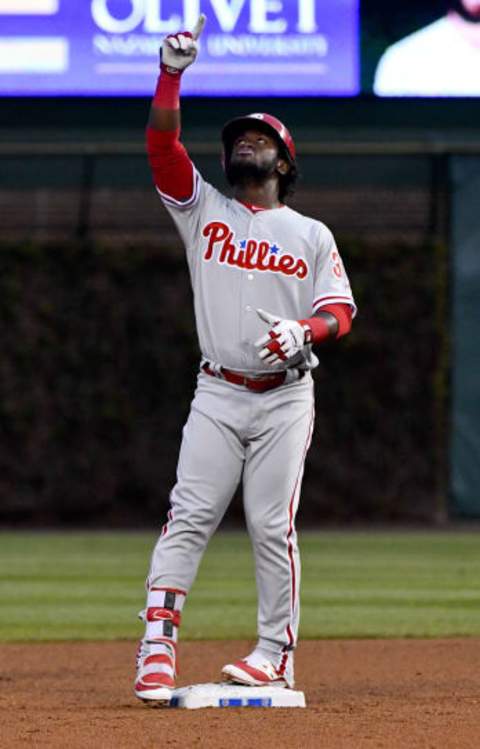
283 341
180 50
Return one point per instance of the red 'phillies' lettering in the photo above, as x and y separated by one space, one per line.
253 256
218 231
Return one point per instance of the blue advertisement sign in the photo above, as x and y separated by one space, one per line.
248 47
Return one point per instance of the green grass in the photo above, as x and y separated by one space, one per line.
58 586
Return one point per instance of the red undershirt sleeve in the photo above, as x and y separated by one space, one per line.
319 327
343 315
172 170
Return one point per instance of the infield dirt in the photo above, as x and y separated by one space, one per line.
394 694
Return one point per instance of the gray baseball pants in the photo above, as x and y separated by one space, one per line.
234 434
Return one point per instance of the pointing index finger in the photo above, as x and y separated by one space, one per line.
198 28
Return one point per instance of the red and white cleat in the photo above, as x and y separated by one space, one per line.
155 679
256 671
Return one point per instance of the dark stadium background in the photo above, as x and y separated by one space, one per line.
99 352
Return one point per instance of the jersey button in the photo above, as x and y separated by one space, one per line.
250 276
248 308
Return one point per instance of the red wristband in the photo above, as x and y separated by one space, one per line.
316 329
167 92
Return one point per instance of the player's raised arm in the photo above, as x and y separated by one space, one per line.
172 170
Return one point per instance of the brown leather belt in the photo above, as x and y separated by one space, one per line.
259 384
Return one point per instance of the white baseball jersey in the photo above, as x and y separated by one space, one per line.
240 260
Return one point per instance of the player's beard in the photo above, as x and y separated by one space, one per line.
459 8
241 173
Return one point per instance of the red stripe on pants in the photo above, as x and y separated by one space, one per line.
291 638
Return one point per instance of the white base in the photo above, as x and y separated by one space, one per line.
235 695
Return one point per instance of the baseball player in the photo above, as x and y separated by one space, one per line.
269 284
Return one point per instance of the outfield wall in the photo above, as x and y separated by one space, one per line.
99 361
465 435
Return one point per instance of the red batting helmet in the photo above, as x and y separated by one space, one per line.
259 121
